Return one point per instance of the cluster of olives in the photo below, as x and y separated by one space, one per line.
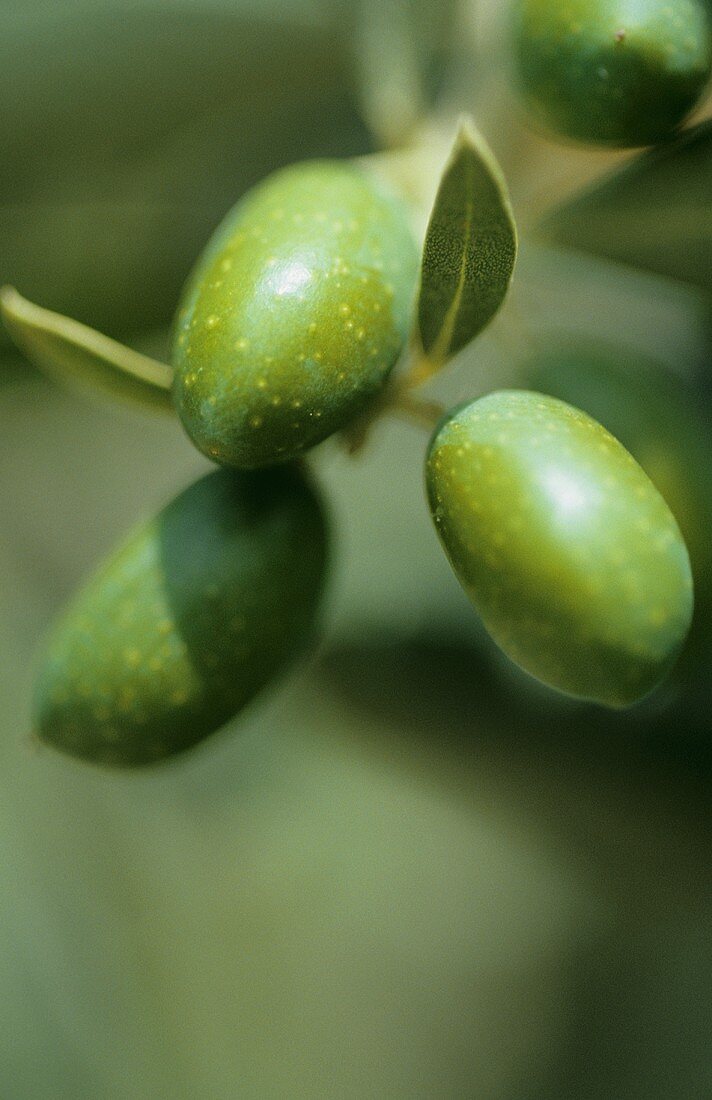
288 329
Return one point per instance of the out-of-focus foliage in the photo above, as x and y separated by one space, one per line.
128 130
655 213
405 873
411 872
403 53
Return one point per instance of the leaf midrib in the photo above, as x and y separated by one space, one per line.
442 344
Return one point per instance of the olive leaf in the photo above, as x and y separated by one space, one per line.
655 213
72 352
470 249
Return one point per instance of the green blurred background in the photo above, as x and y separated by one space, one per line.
407 871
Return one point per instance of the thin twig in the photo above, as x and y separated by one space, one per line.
416 409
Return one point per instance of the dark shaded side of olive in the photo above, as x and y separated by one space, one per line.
611 72
187 621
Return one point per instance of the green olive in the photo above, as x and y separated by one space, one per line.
612 72
660 419
294 315
564 545
187 621
655 415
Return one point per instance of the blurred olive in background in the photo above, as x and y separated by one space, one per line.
611 72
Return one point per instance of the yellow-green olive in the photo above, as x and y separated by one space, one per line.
294 315
562 542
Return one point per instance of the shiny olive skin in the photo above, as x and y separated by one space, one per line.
611 72
655 415
664 423
195 613
565 547
294 315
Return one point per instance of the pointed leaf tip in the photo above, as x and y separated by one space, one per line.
470 249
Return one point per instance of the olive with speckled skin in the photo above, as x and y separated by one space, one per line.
611 72
568 551
661 420
656 415
187 621
294 315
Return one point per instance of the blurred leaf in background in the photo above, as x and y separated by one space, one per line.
128 130
654 213
404 51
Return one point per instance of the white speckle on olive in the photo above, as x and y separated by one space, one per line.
592 550
170 674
